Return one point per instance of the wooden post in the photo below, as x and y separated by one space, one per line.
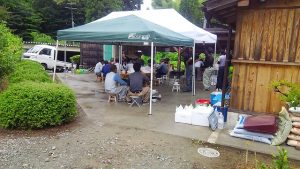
228 58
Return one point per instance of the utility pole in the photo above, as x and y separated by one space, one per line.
71 8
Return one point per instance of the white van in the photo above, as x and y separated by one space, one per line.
44 54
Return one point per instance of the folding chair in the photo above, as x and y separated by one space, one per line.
136 100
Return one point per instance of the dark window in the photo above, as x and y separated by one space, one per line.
45 51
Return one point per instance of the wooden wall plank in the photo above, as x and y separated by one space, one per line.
252 38
234 86
236 53
282 35
241 86
262 88
265 37
250 84
289 31
275 103
271 32
237 86
297 58
248 30
242 35
259 34
276 35
294 36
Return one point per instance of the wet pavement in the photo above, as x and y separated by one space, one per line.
93 100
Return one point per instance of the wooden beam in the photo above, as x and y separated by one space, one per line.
219 5
265 62
276 4
243 3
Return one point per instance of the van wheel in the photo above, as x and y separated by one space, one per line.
59 69
44 65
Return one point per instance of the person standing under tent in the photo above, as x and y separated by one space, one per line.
112 81
198 65
221 62
188 73
118 65
136 84
208 66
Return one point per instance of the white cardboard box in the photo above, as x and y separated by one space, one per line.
200 115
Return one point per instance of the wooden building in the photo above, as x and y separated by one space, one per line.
266 48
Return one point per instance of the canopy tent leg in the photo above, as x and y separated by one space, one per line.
215 49
151 81
56 52
65 58
193 74
120 58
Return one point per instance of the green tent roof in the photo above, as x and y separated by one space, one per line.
126 29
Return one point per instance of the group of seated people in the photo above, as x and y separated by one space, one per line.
135 85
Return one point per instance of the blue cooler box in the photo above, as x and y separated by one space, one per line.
215 97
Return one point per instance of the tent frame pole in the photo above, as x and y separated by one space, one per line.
193 74
65 58
55 61
151 81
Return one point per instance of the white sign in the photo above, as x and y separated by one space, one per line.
138 36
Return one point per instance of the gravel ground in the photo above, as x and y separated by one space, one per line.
88 144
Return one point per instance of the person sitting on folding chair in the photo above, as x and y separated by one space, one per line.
112 81
162 69
136 82
98 69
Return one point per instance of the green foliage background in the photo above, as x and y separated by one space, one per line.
173 56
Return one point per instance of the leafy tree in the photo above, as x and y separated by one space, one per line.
3 14
191 10
157 4
41 37
22 18
95 9
130 5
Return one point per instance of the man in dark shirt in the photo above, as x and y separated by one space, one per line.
136 82
208 65
188 60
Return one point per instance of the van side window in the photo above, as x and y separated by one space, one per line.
45 51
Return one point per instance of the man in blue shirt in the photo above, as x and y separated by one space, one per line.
106 68
136 82
114 84
162 69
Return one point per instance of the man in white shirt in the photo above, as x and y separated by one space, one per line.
198 65
221 62
114 84
98 69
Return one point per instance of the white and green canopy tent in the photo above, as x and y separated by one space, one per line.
129 29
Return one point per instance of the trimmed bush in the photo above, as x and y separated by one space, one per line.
30 105
11 49
28 70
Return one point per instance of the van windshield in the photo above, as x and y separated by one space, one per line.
34 49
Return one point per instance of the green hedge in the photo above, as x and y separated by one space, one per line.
31 105
11 49
27 70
